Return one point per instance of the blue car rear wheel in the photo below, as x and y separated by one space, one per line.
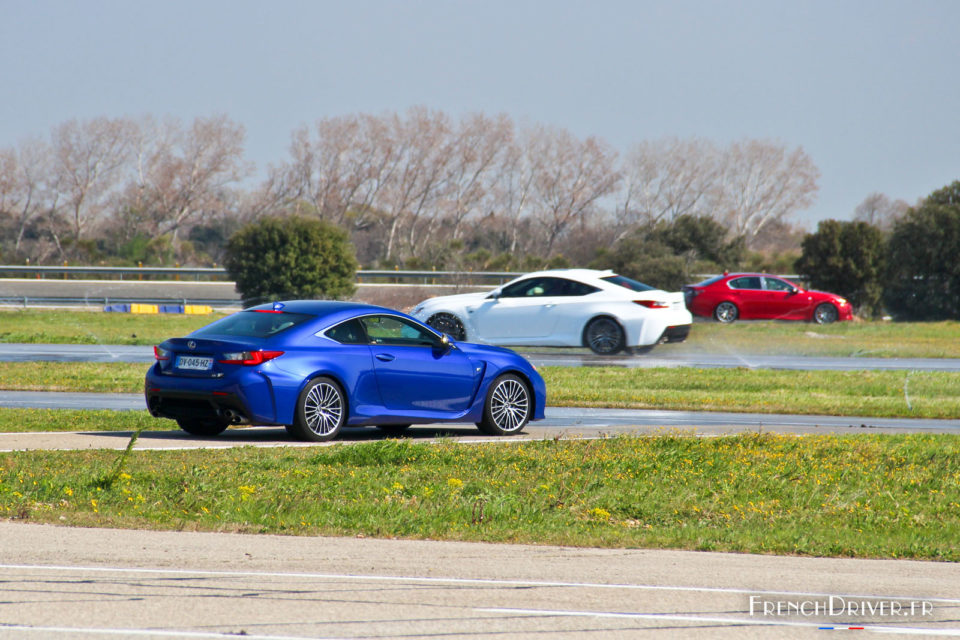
321 411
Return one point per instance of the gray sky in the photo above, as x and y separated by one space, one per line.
869 88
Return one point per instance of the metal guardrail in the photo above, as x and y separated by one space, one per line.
38 301
118 273
218 273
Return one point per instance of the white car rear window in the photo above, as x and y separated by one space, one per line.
629 283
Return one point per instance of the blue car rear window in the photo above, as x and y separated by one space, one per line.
253 324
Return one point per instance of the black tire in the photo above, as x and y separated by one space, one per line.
507 408
207 427
604 336
825 313
449 324
321 411
393 430
726 313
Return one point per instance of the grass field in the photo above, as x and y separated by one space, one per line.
874 339
854 393
100 377
27 420
864 496
860 496
94 327
878 339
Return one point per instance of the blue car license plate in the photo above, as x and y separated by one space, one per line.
194 363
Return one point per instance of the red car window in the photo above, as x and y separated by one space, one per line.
746 282
776 284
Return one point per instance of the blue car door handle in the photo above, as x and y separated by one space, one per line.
385 357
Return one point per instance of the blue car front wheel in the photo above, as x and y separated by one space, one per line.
321 411
508 407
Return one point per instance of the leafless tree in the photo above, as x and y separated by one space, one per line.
326 169
341 168
667 178
24 194
427 137
763 181
182 175
480 146
87 158
877 209
570 176
512 189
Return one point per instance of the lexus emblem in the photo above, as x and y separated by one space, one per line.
192 345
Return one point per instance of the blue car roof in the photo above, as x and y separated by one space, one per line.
319 307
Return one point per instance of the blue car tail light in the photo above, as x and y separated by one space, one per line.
160 354
249 358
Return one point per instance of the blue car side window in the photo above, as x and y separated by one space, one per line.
390 330
349 332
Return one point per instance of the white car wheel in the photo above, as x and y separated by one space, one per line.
604 336
449 324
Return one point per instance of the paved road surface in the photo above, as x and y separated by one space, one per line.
171 290
13 352
561 422
89 583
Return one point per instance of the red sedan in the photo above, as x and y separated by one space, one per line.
758 296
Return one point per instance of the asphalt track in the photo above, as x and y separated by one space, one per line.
560 422
15 352
96 583
172 290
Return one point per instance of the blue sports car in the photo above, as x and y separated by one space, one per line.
317 366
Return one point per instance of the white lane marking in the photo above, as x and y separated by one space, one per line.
906 392
151 633
466 581
150 445
733 621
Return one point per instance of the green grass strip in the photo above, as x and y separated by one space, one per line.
864 496
872 339
31 420
903 394
40 326
99 377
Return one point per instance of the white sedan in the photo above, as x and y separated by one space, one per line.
563 308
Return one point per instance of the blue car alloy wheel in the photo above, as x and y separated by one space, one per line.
321 411
317 367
